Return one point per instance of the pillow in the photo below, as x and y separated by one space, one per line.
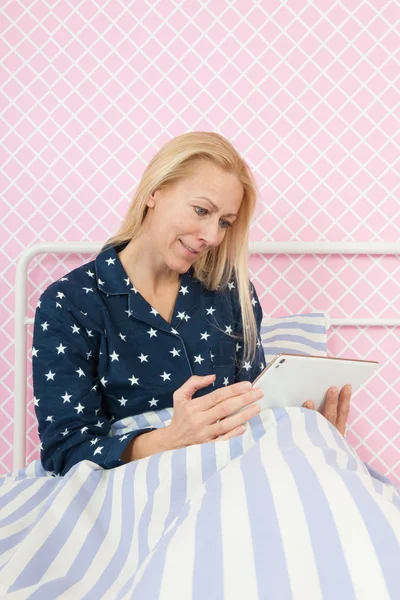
295 334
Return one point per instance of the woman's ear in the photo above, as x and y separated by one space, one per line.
151 201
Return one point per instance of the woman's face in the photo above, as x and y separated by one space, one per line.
183 224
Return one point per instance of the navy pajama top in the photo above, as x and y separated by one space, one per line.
101 353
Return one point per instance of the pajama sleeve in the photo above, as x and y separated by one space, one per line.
73 423
249 370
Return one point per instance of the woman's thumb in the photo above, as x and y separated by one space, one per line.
194 383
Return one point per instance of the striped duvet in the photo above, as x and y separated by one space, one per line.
287 510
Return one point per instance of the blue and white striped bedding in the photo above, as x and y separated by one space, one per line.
288 510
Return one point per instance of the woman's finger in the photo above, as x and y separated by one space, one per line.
331 405
309 404
217 396
343 408
233 433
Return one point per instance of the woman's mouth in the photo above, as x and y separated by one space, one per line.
189 249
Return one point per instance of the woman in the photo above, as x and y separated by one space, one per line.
165 318
158 319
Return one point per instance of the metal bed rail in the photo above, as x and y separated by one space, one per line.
21 320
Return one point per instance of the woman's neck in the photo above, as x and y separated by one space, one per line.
146 270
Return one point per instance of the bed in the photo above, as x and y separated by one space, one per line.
288 510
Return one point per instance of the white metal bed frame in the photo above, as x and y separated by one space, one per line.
21 320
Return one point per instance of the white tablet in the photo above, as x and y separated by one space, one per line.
292 379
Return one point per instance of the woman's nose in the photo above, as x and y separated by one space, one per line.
211 234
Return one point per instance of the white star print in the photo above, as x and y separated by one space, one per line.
38 304
258 343
261 366
105 330
98 450
254 302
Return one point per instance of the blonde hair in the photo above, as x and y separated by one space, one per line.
173 163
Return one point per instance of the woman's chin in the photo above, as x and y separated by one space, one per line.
180 265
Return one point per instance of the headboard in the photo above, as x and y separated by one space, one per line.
267 248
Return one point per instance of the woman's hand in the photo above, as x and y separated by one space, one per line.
336 407
197 420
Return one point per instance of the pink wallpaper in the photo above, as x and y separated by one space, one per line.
307 92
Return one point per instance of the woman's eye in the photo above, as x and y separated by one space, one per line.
204 211
197 208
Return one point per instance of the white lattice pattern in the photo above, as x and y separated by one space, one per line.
309 94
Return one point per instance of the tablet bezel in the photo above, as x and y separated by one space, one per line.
283 354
